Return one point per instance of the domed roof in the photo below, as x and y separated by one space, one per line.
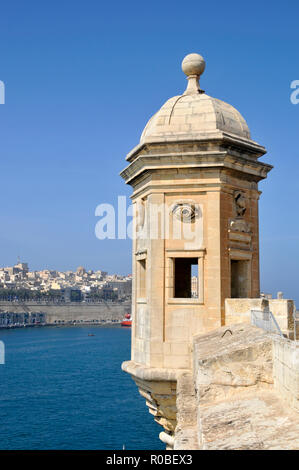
194 114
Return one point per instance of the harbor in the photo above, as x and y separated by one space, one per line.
62 388
35 314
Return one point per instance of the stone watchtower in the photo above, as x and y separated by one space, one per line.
195 177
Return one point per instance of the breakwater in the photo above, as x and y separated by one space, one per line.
51 313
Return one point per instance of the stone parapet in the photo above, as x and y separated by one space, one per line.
238 311
286 370
238 405
231 360
283 311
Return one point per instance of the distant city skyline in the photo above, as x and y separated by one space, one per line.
19 260
81 82
18 280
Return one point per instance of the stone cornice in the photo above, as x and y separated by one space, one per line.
148 163
152 373
213 137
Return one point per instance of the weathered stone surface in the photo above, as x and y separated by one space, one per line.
283 310
286 370
186 429
158 387
191 115
238 405
230 360
239 311
257 422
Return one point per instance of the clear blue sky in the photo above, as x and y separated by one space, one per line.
83 78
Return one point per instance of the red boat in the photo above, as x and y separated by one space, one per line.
127 321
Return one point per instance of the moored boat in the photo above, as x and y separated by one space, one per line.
127 321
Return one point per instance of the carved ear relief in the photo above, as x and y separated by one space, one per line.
140 214
240 203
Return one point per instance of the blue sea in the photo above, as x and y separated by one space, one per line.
63 389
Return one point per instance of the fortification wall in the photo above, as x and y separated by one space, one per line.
247 389
72 312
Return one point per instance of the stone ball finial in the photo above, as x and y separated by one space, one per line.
193 64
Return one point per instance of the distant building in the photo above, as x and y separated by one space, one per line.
80 271
23 267
70 294
123 287
194 287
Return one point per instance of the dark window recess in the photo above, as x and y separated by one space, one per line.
142 279
240 287
183 271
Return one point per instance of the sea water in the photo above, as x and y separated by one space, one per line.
63 389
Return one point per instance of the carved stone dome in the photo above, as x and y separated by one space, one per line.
194 114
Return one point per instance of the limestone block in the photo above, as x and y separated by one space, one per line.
177 362
283 310
186 429
286 370
253 421
226 363
238 310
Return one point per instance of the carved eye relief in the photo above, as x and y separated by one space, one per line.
185 212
